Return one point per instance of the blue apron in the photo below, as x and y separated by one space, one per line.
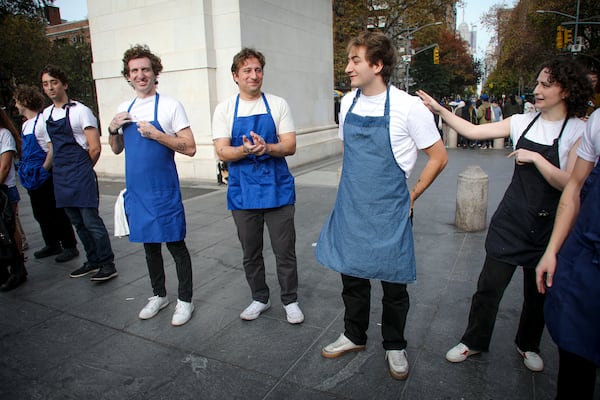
368 233
258 182
572 306
521 226
153 198
31 167
75 183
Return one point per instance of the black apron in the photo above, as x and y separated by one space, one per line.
521 226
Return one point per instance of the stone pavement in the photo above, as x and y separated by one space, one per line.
64 338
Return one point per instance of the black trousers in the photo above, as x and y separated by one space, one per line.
357 301
493 280
280 223
576 377
55 225
183 265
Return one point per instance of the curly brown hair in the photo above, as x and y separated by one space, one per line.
243 55
141 51
572 78
30 97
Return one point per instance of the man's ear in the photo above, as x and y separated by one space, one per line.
378 66
234 75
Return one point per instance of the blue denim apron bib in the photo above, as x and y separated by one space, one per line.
258 182
31 166
572 306
75 183
153 197
368 233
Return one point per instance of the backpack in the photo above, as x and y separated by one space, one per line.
488 113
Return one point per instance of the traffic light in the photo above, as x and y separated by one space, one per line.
559 37
568 37
436 55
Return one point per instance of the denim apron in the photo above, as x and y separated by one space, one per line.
368 233
572 306
153 199
521 226
31 167
75 183
258 182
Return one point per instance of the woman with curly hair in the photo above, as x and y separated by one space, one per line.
544 153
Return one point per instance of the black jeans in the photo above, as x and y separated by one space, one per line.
357 301
493 280
576 377
183 265
280 223
55 225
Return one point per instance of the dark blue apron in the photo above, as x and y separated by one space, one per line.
75 183
521 226
153 198
572 306
368 233
258 182
31 166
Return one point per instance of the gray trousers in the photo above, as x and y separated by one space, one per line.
280 223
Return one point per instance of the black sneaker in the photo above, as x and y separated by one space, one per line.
13 282
47 251
85 269
67 255
105 273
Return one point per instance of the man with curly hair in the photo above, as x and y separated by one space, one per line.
151 128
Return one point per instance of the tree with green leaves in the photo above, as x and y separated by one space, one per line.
22 26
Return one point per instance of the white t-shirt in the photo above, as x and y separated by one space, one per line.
80 117
412 126
544 132
589 149
222 123
171 114
7 143
41 134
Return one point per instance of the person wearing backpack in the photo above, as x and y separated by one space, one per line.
10 147
35 174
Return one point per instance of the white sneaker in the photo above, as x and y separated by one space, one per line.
183 313
397 363
294 313
155 304
532 360
254 309
459 353
340 347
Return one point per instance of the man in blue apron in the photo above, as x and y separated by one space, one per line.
569 273
254 132
151 128
368 234
73 130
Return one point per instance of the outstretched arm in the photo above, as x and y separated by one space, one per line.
477 132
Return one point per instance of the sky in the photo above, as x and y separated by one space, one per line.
75 10
72 10
473 11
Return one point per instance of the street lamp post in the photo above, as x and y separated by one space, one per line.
407 58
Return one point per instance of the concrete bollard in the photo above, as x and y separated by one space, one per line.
471 199
452 138
499 143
